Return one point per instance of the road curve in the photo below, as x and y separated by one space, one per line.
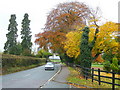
32 78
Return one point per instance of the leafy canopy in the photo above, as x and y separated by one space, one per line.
61 20
104 42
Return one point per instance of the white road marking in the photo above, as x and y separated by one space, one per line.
51 78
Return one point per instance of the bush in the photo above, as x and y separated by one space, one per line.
106 66
14 60
114 66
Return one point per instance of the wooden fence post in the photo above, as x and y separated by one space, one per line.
92 74
113 80
99 76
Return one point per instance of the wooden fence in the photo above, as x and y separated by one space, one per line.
92 75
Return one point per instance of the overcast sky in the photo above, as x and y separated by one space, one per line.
39 9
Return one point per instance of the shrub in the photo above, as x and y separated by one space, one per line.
14 60
114 66
106 66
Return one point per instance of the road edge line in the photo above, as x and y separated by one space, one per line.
52 76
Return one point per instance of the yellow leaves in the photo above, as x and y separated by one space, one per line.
109 27
104 42
92 25
93 20
105 37
71 45
91 34
73 52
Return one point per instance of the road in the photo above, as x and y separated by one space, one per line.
32 78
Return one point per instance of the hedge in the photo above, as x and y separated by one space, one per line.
14 60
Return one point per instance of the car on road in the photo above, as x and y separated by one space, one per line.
49 66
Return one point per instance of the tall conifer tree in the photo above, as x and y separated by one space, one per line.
26 37
86 47
85 56
10 45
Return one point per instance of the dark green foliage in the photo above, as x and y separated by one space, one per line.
108 56
106 66
68 59
62 57
111 62
118 54
26 37
10 45
114 66
85 57
19 48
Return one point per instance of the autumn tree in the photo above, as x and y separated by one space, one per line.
50 39
66 15
11 43
26 36
61 20
105 40
85 42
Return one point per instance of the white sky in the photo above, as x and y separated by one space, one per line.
38 10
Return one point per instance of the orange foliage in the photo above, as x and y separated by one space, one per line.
50 39
99 59
60 21
67 15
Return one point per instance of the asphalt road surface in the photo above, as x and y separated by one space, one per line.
32 78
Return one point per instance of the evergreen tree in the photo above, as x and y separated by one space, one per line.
26 37
19 48
85 56
10 45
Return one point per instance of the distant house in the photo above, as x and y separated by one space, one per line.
54 57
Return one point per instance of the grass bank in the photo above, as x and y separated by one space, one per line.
17 69
75 77
15 63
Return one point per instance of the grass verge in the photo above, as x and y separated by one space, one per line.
100 66
17 69
75 77
55 60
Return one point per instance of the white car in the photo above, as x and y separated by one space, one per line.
49 66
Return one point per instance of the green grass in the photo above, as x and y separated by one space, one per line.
17 69
75 77
55 60
97 65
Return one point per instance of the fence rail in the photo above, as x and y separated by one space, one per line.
92 74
